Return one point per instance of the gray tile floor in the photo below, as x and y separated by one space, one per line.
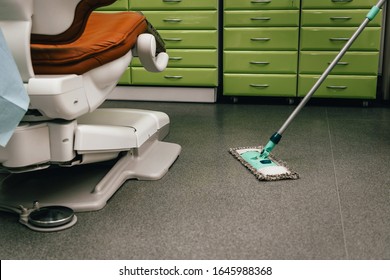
210 207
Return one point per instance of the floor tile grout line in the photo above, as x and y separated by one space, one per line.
337 185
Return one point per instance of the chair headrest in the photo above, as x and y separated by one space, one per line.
16 10
82 11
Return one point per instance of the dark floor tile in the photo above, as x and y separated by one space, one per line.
209 206
362 164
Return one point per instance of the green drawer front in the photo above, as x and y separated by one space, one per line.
261 18
261 62
173 4
260 4
337 18
325 38
189 58
259 85
352 63
362 87
176 77
126 78
183 19
119 5
190 39
268 38
337 4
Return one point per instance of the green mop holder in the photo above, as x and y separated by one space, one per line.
373 12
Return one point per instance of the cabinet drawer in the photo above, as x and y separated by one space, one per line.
260 4
328 38
335 86
268 38
190 39
259 85
188 58
337 18
337 4
261 62
352 63
261 18
183 19
118 5
176 77
173 4
125 78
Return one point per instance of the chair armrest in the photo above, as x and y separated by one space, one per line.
146 51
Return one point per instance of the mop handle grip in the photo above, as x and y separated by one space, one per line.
373 12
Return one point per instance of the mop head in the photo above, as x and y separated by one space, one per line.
270 169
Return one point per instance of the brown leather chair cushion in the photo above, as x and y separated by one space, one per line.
107 36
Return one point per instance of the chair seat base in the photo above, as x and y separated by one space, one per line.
88 187
103 163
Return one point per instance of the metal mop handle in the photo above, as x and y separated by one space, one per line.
275 138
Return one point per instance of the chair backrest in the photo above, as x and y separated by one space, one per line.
53 17
51 21
15 23
62 21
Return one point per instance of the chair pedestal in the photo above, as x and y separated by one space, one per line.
89 186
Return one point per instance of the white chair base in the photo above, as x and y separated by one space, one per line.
89 186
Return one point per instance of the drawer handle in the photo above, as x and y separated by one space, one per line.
337 87
173 39
260 39
341 18
261 1
259 85
172 20
172 1
340 63
259 62
260 18
341 1
173 77
175 58
339 39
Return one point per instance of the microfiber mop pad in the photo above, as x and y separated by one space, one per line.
269 169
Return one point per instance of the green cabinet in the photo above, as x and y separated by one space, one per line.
189 58
175 5
352 63
269 47
261 4
336 18
326 25
175 77
260 47
338 4
334 38
262 39
260 85
263 18
190 31
339 86
187 20
269 62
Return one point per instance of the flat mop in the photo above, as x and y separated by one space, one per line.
259 160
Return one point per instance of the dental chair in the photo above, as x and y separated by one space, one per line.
70 58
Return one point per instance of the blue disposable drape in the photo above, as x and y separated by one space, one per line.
14 99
